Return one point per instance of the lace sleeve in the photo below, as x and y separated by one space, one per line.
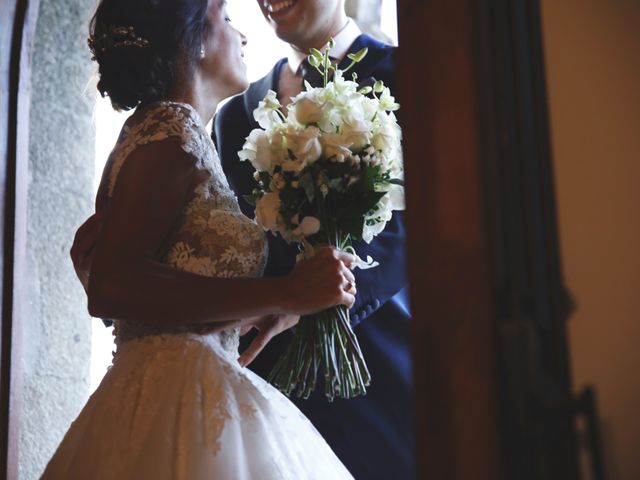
164 121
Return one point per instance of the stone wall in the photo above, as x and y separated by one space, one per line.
366 13
57 328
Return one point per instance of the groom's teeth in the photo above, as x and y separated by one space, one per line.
276 7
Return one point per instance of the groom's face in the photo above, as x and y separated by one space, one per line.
303 23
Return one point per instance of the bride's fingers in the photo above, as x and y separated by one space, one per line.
345 257
348 298
347 274
256 346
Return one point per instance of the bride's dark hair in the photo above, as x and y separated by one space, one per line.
143 46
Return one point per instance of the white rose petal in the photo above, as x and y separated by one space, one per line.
266 114
306 110
306 148
335 146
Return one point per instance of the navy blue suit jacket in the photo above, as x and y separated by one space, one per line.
373 435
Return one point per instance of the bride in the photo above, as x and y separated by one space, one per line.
177 264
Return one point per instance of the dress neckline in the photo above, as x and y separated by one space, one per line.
154 107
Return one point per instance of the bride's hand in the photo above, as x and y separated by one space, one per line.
269 326
320 282
82 249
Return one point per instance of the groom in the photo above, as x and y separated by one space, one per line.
373 435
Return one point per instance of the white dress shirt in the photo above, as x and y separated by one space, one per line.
290 83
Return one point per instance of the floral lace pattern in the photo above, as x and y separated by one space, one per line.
175 403
214 238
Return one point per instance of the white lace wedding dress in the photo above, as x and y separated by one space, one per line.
176 404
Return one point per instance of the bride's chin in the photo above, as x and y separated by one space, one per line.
239 86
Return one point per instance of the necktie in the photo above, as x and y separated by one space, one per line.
311 74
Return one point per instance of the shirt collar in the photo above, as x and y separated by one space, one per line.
341 43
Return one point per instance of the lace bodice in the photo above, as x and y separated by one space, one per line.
213 238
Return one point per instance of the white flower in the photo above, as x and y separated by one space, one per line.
267 114
268 211
377 219
305 146
258 150
306 109
357 131
385 138
335 146
387 101
396 197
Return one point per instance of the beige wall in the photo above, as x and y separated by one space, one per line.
593 68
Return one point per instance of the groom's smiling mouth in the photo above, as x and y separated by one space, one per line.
277 8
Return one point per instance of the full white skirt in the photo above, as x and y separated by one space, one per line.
179 406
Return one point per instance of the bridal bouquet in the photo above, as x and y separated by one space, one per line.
329 171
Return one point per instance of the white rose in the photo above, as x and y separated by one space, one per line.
258 150
335 146
307 110
357 132
306 147
268 211
385 138
396 197
267 114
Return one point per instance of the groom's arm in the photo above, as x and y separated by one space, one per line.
376 286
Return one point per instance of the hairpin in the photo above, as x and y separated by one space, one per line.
112 36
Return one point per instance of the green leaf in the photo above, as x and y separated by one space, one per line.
351 223
314 62
307 183
367 202
370 176
396 181
359 55
315 53
265 178
336 184
250 200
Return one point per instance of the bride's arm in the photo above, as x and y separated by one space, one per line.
128 283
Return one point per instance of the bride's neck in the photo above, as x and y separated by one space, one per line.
198 93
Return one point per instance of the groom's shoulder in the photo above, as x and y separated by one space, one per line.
242 105
381 49
380 57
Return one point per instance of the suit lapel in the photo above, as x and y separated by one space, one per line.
257 90
377 54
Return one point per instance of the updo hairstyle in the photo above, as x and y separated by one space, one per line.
143 47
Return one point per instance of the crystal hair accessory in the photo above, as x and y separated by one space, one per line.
112 36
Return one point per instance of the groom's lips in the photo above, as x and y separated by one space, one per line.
278 8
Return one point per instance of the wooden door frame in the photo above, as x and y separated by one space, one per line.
493 388
454 349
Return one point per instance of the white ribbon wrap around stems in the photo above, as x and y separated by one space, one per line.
310 251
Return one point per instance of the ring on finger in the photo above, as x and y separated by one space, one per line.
350 287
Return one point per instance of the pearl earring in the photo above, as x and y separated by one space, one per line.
202 52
